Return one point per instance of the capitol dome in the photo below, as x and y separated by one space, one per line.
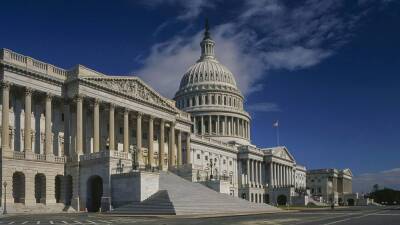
209 92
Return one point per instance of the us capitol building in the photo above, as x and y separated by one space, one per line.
81 140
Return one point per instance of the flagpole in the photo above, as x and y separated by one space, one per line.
277 135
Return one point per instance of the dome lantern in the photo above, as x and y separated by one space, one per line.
207 44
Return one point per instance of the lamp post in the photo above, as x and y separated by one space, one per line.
5 198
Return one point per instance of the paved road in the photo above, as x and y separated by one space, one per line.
349 216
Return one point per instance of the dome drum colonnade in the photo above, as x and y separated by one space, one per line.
208 91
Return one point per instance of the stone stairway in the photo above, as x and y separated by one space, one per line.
182 197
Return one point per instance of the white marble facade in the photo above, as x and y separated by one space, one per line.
64 130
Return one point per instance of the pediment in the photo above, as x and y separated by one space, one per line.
347 172
133 87
283 153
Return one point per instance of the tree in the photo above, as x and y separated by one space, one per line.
375 188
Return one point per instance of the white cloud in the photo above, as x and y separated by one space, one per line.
263 107
296 57
387 178
267 35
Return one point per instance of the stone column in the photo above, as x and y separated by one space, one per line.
271 181
244 129
79 125
283 176
96 126
126 130
217 127
210 125
179 150
278 175
171 147
224 128
248 129
253 173
202 125
188 150
139 139
260 173
5 133
161 148
48 132
27 121
150 138
111 127
248 171
256 175
194 125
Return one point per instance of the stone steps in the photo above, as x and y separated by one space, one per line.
182 197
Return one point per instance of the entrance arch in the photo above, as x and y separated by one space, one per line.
57 189
94 193
68 189
350 202
18 187
40 188
281 200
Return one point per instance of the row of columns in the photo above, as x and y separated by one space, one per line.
281 175
224 125
139 118
48 150
208 100
96 130
254 173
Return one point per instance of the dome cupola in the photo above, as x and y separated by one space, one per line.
209 92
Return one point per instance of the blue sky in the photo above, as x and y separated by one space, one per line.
327 70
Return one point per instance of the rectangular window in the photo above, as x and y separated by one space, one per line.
198 156
62 117
206 158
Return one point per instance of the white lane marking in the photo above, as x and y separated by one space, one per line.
12 222
104 221
351 218
25 222
91 222
386 214
51 222
77 222
38 222
64 222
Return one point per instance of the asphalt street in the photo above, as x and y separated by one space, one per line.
344 216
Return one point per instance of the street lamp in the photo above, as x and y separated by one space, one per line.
5 198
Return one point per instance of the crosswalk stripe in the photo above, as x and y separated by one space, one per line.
25 222
38 222
64 222
12 222
91 222
51 222
77 222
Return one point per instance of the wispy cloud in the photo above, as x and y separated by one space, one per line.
263 107
266 35
387 178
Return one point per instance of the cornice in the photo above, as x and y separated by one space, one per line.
30 73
